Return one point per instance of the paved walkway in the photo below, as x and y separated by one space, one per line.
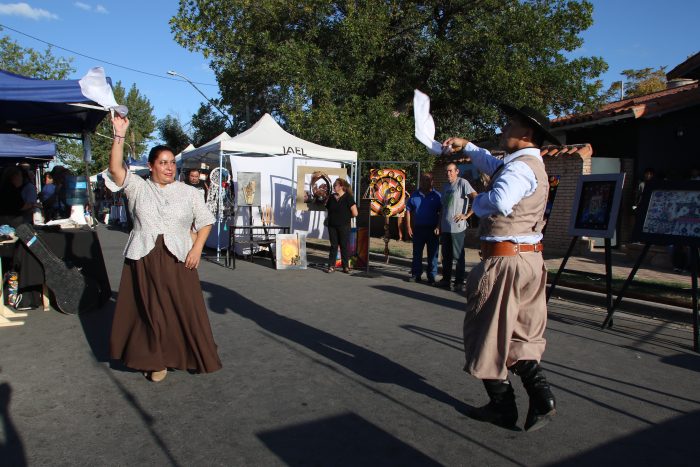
593 262
336 369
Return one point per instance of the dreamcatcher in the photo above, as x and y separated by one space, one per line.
219 183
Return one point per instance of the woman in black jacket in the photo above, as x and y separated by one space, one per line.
341 208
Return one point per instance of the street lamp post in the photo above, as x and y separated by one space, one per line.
220 211
175 73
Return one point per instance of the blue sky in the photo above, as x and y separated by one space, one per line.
136 34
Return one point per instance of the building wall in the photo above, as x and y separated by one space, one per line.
568 168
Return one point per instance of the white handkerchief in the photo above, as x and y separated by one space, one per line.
95 87
425 126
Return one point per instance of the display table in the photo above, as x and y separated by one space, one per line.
252 236
78 247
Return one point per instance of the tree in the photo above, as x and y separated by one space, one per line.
207 124
29 62
342 73
172 134
638 83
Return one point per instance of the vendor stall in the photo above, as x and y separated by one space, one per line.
16 148
266 149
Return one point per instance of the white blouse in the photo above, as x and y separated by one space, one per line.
170 211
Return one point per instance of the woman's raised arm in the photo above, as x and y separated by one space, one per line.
116 157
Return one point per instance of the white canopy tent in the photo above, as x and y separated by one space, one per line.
267 148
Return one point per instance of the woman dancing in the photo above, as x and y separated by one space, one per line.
160 320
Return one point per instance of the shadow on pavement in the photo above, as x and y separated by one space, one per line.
365 363
687 361
648 447
428 296
342 440
12 449
97 326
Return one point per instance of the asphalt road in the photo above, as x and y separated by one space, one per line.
336 369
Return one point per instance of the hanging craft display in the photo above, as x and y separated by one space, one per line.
389 189
220 180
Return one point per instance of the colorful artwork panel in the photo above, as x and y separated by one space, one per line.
290 251
673 213
596 205
388 189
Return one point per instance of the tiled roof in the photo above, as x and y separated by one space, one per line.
688 69
649 105
583 150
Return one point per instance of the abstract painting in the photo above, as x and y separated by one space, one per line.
387 189
290 251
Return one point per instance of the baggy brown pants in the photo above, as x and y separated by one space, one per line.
506 314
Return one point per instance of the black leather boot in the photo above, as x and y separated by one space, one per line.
542 404
501 409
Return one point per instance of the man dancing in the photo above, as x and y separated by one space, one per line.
506 309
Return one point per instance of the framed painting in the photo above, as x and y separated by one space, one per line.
596 205
315 185
248 193
388 192
290 251
669 213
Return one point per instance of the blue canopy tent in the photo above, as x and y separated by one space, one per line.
51 107
16 148
55 107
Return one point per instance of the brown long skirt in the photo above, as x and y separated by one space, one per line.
160 319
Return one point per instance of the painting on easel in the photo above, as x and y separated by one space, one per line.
248 193
669 213
596 205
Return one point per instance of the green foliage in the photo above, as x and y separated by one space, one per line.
207 124
172 134
638 83
342 73
30 62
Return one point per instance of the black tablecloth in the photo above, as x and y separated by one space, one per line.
77 247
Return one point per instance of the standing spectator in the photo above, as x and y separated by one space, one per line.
454 213
47 196
160 320
194 178
422 220
506 307
59 179
341 209
648 175
11 202
29 194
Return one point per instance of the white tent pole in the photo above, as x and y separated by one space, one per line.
219 210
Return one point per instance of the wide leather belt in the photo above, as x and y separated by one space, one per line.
489 249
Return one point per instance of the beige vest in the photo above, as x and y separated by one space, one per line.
527 217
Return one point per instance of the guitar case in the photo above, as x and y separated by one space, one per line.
74 292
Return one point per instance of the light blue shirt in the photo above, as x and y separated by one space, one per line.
515 182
